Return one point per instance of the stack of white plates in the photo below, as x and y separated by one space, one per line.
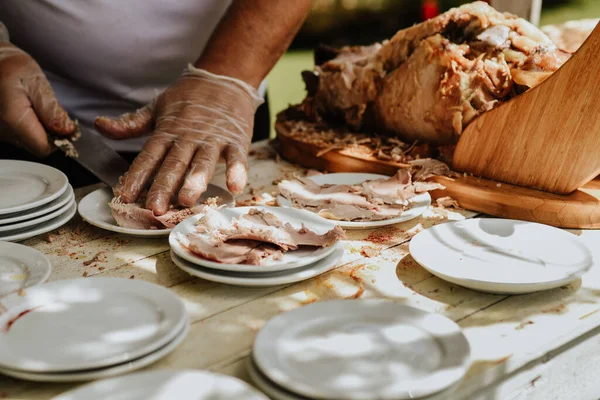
83 329
167 385
34 199
358 349
294 266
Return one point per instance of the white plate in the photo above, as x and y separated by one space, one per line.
269 388
419 203
102 373
21 267
36 221
78 324
41 210
290 260
26 185
501 255
362 349
94 209
44 227
266 278
167 385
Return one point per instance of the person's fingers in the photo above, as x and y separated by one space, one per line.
129 125
143 167
200 173
27 131
170 175
50 113
237 168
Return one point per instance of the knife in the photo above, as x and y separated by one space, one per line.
95 155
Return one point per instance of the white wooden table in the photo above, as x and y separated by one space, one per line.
539 346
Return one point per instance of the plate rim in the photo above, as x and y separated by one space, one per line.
191 257
39 220
127 231
317 270
263 345
47 265
505 288
169 372
418 210
63 181
141 287
42 228
102 373
25 215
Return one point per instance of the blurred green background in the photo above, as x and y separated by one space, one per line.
359 22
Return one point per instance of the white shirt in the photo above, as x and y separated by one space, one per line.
107 57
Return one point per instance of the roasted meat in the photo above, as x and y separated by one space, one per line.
136 216
252 238
373 200
429 81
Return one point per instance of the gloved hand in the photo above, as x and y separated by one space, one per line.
198 119
28 105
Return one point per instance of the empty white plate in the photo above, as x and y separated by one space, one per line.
501 255
55 204
102 373
362 349
44 227
263 279
26 185
94 209
36 221
290 260
167 385
419 203
83 323
21 267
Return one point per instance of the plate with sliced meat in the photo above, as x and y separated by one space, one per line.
100 208
356 200
254 239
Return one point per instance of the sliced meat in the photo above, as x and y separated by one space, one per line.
373 200
266 227
136 216
232 252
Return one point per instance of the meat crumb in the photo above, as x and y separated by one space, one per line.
50 237
132 277
447 202
21 292
99 257
523 325
101 269
370 251
85 274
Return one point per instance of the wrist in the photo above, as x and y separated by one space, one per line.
222 66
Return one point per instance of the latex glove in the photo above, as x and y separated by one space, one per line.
198 119
28 106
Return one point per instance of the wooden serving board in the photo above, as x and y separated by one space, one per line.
578 210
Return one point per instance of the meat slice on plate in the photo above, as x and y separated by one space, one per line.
136 216
251 238
250 252
429 81
373 200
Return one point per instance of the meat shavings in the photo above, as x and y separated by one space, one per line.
373 200
447 202
251 238
136 216
370 251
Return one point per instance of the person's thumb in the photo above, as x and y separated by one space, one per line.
129 125
43 101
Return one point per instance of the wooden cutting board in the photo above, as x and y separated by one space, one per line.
578 210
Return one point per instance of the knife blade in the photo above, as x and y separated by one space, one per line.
96 156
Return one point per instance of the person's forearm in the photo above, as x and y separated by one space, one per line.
251 37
